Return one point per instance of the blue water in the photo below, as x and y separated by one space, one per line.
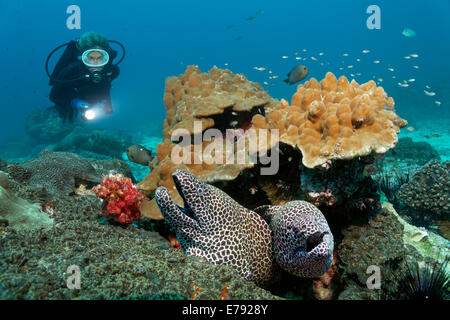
163 38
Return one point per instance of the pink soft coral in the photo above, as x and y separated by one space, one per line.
122 200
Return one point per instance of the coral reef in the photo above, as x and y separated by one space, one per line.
115 262
334 119
121 198
325 287
18 213
46 126
220 100
408 150
99 141
57 172
337 184
103 167
429 188
378 242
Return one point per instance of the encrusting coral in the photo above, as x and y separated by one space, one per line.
429 188
57 172
334 119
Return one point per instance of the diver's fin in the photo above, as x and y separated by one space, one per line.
286 80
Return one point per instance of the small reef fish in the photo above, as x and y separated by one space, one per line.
251 18
414 55
313 58
322 64
350 67
297 74
376 61
345 55
403 84
428 87
341 68
284 57
411 129
429 93
260 11
233 123
265 82
304 50
391 69
274 77
259 68
298 58
365 51
321 54
138 154
409 33
438 102
358 59
416 67
411 80
380 79
407 57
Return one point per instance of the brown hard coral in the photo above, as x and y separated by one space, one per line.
217 99
334 119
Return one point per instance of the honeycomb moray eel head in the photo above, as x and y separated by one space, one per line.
303 242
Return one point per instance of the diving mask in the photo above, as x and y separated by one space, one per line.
95 58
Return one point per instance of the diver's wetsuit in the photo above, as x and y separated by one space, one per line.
70 67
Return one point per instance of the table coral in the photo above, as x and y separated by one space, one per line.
429 188
57 172
334 119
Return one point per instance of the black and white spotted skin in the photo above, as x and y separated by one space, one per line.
214 226
302 240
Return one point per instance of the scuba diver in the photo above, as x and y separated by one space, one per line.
82 77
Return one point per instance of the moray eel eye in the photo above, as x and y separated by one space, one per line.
200 191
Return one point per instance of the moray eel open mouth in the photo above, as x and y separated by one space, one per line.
312 242
187 210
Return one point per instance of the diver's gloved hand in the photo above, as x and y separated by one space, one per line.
79 104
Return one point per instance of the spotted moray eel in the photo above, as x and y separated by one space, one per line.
214 226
